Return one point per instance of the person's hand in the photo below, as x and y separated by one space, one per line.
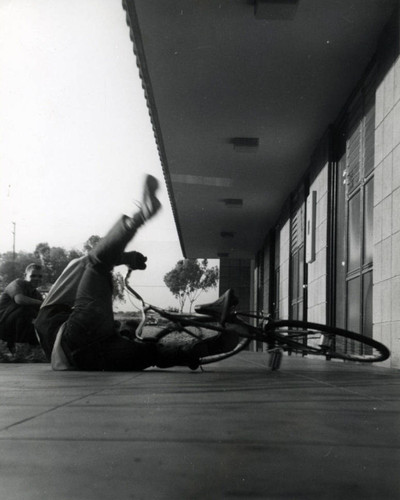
137 260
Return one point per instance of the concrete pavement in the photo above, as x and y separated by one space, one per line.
313 430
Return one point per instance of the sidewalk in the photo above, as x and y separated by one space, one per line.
313 430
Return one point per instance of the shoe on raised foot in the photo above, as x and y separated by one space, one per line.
150 204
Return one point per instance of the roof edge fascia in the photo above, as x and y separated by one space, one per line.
138 49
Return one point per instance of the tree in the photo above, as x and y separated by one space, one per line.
189 279
53 260
118 287
74 254
91 242
59 259
42 252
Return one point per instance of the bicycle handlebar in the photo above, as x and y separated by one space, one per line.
128 274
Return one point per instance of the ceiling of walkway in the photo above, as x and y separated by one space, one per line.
275 73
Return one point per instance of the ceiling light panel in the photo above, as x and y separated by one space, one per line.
201 181
245 144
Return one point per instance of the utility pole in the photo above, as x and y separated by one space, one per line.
13 233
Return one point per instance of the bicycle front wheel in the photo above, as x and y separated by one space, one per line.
328 341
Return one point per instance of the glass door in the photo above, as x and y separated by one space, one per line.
354 218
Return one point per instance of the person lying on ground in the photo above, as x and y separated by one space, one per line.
76 325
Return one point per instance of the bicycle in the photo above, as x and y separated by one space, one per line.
280 335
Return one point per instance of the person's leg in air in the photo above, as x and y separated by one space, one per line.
89 334
89 340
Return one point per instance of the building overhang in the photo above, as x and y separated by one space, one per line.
239 94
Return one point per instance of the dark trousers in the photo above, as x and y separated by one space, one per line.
90 332
17 325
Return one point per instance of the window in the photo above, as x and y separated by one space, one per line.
354 222
297 259
276 278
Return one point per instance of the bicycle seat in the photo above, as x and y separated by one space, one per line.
219 308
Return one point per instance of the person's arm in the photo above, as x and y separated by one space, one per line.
23 300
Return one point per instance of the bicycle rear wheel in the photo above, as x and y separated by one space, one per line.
322 340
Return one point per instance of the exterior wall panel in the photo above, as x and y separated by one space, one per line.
317 270
386 237
284 271
267 278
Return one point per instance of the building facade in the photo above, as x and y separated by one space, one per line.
281 150
334 254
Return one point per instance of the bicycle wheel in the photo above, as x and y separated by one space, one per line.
322 340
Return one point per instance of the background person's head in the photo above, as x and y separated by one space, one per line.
33 274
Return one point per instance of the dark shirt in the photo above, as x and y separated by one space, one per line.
18 286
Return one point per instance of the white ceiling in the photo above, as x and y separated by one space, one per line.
212 72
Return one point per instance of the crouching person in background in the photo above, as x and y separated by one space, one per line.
19 306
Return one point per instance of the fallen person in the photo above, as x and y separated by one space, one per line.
76 324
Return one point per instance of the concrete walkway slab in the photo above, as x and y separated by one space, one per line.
314 429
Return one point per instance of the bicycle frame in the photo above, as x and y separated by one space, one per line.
180 319
265 332
279 335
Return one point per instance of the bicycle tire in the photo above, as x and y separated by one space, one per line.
323 340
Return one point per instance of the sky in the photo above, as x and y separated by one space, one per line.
75 134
